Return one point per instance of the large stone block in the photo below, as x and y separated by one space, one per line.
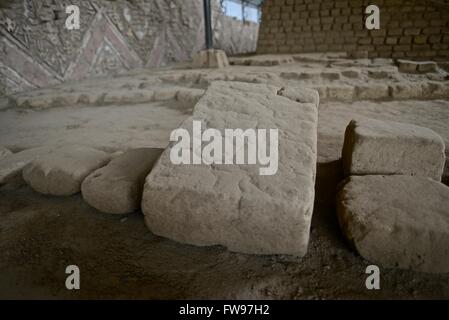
397 221
386 147
117 187
417 66
233 205
61 172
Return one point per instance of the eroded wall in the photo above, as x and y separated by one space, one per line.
37 50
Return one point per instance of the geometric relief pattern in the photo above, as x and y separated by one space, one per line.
36 49
107 61
38 27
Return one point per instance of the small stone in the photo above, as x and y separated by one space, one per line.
62 172
372 92
406 90
129 96
163 94
303 95
427 66
340 93
397 221
211 58
190 96
233 205
386 147
117 187
351 73
417 66
407 66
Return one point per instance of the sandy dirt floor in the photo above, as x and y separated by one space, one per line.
120 258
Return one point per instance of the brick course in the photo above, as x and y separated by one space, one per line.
408 28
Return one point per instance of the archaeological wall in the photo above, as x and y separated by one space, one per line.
38 50
413 29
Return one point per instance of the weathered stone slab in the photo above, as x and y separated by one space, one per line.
232 205
417 66
372 91
11 166
352 73
386 147
190 96
397 221
305 95
62 172
117 187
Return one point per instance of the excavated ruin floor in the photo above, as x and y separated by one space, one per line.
120 258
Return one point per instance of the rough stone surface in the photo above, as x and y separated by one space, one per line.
303 95
4 152
340 92
385 147
117 187
374 92
417 66
62 172
232 205
211 58
397 221
11 166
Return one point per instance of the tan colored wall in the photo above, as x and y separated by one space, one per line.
37 50
409 28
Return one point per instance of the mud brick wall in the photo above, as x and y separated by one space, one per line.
408 28
37 50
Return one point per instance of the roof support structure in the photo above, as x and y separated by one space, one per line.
208 24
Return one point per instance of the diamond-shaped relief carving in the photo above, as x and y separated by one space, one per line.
39 26
142 23
107 61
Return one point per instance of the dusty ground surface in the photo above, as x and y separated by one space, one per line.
118 256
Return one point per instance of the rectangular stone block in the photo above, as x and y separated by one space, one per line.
232 204
374 147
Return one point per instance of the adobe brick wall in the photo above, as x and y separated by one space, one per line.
409 28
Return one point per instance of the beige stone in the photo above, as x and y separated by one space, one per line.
302 95
372 91
11 165
62 172
387 147
4 152
189 96
340 92
397 221
117 187
417 66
